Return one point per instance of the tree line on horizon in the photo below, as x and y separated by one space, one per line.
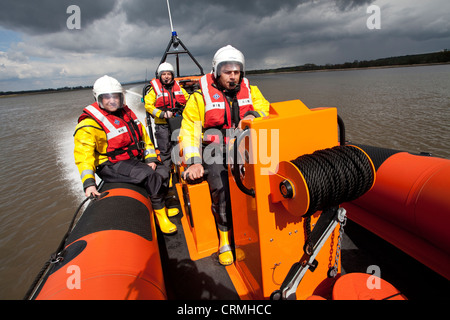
5 93
426 58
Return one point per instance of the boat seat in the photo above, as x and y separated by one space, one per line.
198 220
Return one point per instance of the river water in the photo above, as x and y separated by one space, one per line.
401 108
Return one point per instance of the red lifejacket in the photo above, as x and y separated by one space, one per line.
124 135
164 97
217 108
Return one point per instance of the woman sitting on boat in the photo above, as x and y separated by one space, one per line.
225 98
112 143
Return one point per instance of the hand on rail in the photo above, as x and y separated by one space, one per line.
194 174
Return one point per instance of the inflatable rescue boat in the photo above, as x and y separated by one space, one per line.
294 182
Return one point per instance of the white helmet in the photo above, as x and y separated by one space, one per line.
165 66
106 85
228 54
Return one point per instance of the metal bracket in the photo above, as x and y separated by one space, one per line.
298 270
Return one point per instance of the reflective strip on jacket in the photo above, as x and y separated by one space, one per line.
217 107
193 124
156 99
93 142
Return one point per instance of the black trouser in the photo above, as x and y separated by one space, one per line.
134 171
162 135
218 186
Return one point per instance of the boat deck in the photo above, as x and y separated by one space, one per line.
206 279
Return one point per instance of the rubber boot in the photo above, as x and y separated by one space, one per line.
172 212
165 225
225 249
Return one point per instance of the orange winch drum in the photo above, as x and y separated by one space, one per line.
335 175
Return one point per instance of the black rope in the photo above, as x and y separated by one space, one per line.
57 254
335 175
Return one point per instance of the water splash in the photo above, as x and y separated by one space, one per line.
133 98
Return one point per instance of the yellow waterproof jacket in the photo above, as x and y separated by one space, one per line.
158 114
192 126
90 149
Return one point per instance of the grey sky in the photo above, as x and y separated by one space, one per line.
124 38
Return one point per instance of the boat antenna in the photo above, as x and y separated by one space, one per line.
175 40
170 16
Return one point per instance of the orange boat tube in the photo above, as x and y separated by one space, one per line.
112 253
409 205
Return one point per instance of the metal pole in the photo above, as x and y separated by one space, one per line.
170 16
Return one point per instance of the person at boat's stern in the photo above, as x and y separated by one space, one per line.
165 100
224 99
111 142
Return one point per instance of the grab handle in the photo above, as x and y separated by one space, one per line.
235 165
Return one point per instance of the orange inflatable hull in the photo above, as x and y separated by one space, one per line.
409 205
112 253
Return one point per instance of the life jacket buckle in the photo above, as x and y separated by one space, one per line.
141 145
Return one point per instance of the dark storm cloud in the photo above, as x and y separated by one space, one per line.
256 26
206 23
129 36
49 16
184 12
345 5
216 14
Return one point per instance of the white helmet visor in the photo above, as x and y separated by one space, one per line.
113 98
229 66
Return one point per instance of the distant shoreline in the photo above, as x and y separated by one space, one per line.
48 91
347 69
417 60
441 57
259 72
36 92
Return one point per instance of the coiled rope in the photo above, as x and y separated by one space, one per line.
335 175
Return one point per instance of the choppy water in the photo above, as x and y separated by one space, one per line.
399 108
402 108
